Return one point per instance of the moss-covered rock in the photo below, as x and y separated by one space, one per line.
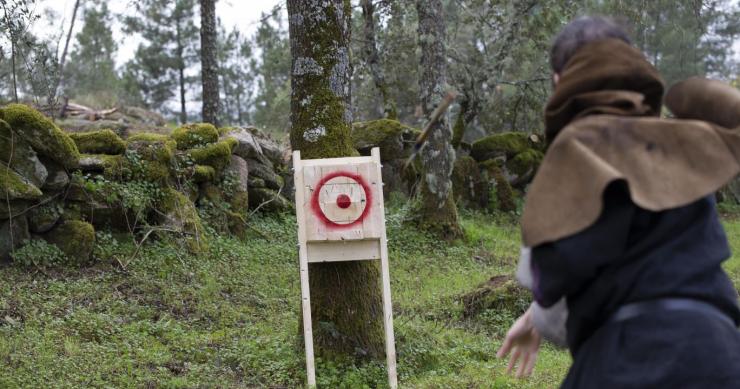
468 187
501 195
41 133
259 197
522 167
111 164
386 134
268 177
57 179
153 147
42 218
504 145
202 173
13 186
14 208
99 142
178 213
18 154
500 294
195 135
216 155
75 238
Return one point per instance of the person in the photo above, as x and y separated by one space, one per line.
625 241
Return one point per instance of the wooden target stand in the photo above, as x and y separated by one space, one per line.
340 214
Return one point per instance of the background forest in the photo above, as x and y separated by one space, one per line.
497 56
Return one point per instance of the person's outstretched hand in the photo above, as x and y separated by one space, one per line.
523 341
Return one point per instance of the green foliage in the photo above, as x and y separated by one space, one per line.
38 253
171 314
157 71
91 66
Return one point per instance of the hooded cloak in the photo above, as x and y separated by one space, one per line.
602 125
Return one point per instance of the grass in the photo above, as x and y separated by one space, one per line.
230 318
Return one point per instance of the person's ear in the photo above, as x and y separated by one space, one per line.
555 79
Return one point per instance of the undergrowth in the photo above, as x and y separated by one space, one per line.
229 318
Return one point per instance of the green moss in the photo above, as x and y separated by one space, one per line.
99 142
467 185
384 133
179 213
195 135
502 195
216 155
75 238
507 144
525 162
203 173
41 133
18 155
13 186
153 147
500 294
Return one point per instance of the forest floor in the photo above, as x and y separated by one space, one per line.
230 318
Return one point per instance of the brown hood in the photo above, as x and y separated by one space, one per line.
603 136
605 76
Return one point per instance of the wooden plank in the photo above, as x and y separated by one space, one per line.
390 346
303 261
349 250
337 161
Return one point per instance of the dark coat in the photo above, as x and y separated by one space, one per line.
629 255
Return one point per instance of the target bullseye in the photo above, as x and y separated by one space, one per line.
341 199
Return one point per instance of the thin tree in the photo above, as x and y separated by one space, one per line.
436 211
63 58
209 61
345 297
373 58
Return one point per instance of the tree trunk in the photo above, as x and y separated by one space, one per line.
208 61
60 81
436 211
345 296
373 59
181 72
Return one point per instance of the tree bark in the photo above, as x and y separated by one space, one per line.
208 60
181 71
345 296
373 59
436 211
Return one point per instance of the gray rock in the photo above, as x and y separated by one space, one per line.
18 154
57 180
13 232
268 199
44 217
272 150
272 179
13 208
247 147
90 162
238 167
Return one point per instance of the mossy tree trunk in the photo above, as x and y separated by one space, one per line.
436 211
345 296
208 61
373 59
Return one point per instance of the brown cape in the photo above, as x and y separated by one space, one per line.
599 125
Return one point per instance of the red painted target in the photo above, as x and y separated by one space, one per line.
341 199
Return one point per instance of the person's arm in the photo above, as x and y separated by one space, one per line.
563 267
555 270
